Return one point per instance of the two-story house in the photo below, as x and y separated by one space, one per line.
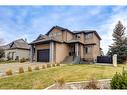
59 43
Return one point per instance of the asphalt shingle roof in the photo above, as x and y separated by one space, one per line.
44 38
20 43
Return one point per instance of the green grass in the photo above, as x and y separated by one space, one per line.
70 73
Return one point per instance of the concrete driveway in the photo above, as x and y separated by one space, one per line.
15 66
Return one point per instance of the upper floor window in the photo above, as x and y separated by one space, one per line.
77 36
88 36
55 34
58 33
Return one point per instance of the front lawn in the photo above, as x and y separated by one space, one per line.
70 73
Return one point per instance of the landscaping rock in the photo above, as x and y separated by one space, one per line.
102 84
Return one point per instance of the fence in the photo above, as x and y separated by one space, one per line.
104 59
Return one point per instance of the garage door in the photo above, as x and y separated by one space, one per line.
43 55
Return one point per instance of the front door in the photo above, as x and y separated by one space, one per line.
72 50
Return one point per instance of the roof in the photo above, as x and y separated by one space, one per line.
73 41
20 44
40 37
44 39
74 32
60 28
77 41
4 46
90 44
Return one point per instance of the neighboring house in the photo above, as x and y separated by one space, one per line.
60 43
16 50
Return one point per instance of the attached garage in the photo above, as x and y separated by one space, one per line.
43 55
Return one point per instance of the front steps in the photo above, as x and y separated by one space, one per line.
72 60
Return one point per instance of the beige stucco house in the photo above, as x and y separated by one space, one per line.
16 50
59 43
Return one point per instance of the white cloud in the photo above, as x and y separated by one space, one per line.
73 18
95 10
3 34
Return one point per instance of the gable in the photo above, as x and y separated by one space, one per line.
40 37
59 28
55 32
60 33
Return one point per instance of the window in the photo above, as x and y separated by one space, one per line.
88 49
58 33
55 34
78 35
88 36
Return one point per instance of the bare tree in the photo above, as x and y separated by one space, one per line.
1 49
1 41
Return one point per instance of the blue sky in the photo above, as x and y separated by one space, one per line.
30 21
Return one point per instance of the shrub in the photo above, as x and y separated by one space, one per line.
60 82
57 64
9 72
92 84
37 85
119 81
37 68
53 65
21 70
43 67
27 59
48 65
23 60
29 69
